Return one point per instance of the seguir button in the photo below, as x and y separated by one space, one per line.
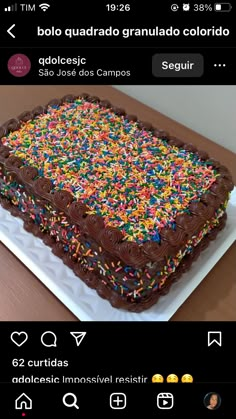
177 65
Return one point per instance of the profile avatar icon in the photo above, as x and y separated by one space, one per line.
212 401
19 65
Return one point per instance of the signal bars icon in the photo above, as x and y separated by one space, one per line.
12 8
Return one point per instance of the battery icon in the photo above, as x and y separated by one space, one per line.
222 7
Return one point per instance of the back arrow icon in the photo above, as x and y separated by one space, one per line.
9 31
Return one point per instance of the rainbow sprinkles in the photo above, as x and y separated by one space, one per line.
123 204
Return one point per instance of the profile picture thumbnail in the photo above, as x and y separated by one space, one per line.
212 401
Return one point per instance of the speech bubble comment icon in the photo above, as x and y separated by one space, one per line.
49 339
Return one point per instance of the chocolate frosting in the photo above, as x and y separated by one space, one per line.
175 141
203 211
95 280
62 199
28 173
3 132
175 238
91 279
25 116
191 224
219 191
190 147
116 301
110 237
54 102
154 267
118 111
13 210
224 171
42 187
68 98
39 110
12 125
5 151
228 184
212 234
210 199
28 225
94 99
5 203
58 250
94 224
68 260
48 240
11 177
103 290
131 118
203 155
132 255
14 162
157 252
214 163
84 95
159 133
105 103
77 211
79 270
145 125
222 221
225 182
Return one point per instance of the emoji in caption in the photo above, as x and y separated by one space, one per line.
172 378
157 378
187 378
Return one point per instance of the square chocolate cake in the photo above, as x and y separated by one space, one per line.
125 205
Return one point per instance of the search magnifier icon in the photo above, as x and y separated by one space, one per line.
70 400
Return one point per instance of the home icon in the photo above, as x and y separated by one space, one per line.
23 402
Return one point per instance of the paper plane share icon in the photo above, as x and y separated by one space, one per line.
79 336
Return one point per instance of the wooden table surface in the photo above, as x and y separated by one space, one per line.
24 297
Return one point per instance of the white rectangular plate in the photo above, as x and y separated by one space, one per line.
83 301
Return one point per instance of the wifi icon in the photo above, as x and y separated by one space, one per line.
44 6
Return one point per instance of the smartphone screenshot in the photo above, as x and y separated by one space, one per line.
117 209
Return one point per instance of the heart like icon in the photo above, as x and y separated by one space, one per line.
19 338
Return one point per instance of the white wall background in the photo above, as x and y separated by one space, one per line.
209 110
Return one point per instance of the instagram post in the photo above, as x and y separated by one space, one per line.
117 209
